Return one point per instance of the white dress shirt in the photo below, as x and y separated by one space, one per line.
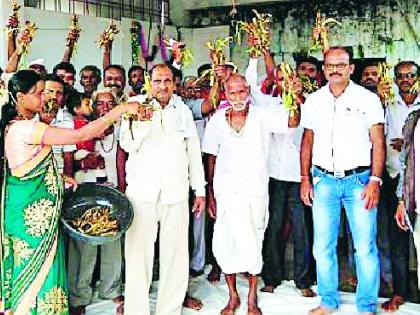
341 126
396 114
63 120
107 148
284 152
242 159
164 157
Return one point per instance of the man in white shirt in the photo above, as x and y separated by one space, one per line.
407 101
82 255
284 196
164 160
344 141
237 142
64 154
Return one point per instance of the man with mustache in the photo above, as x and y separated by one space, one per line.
114 78
237 141
370 76
55 113
164 161
371 80
82 255
343 141
136 79
407 101
90 78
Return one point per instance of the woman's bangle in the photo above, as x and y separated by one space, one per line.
106 120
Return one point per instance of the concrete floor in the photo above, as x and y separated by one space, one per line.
285 300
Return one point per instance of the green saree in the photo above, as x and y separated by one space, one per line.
33 278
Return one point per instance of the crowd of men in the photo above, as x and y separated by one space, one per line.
234 149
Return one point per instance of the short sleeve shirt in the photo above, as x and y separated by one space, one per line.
341 126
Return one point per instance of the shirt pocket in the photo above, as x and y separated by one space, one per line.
353 120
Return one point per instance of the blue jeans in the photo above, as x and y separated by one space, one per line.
330 194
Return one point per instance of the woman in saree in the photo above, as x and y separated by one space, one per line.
32 269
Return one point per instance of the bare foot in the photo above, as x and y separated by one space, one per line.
320 310
307 292
120 309
192 303
214 275
253 309
393 304
267 289
231 307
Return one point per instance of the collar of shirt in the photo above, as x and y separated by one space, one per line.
349 88
172 102
61 114
400 101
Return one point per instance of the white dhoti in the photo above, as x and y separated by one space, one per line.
239 232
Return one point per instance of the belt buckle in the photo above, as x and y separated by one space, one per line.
339 173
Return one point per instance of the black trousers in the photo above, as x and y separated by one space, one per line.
285 200
398 239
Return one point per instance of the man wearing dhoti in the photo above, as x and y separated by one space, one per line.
237 143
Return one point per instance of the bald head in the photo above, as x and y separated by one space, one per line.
236 77
337 50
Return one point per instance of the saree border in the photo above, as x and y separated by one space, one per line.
31 294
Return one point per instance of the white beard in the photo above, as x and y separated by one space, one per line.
239 106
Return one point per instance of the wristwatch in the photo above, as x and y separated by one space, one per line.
376 179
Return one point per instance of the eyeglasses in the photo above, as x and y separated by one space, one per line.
338 66
408 75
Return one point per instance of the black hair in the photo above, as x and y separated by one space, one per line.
118 67
203 68
406 63
22 81
175 72
134 68
1 71
370 64
308 59
92 68
66 66
74 100
54 78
